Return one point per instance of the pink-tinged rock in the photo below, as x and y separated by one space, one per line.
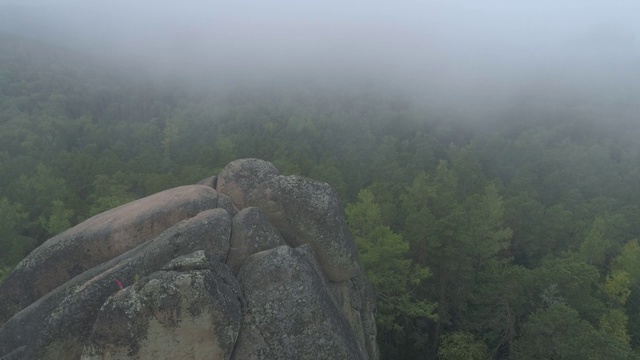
97 240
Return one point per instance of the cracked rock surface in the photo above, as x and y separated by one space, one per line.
263 267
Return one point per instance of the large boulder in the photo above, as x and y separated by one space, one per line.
289 313
57 326
251 232
309 212
97 240
266 269
224 202
191 309
240 177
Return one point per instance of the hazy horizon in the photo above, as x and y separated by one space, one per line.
485 53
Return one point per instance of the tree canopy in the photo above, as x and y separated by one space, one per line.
514 239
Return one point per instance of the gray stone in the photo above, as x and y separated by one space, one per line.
155 278
289 313
251 232
16 354
240 177
57 325
224 202
97 240
197 260
171 315
356 300
210 181
309 212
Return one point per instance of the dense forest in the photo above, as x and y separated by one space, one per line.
511 238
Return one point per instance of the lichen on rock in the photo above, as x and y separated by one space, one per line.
263 269
190 309
309 212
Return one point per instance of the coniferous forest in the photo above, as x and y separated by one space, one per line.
511 238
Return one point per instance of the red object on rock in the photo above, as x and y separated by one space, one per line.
119 284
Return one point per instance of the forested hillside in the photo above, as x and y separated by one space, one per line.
514 238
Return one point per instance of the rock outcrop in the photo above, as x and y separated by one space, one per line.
239 177
309 212
290 312
97 240
191 309
251 233
262 267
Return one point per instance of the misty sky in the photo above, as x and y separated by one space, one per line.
456 48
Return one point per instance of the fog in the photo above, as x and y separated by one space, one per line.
487 55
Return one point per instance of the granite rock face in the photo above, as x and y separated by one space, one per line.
97 240
251 233
290 310
191 309
309 212
239 177
57 326
262 268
